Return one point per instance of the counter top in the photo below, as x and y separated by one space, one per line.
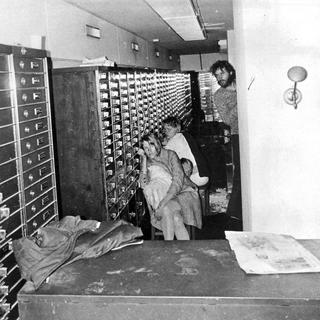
177 272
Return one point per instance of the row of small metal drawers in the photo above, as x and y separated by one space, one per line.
7 259
25 113
27 129
21 64
23 80
27 145
24 96
42 192
10 278
8 172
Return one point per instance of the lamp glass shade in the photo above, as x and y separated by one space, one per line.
297 73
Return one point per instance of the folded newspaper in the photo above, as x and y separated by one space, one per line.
101 61
268 253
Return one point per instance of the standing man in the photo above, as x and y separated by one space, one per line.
225 100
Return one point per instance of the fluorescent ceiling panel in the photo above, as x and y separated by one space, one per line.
187 28
180 16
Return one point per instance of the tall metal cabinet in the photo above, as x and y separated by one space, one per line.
100 115
28 198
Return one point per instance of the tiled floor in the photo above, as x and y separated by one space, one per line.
217 221
215 225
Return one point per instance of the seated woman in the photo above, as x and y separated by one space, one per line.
172 199
186 147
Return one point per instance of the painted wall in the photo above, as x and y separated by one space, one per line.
279 145
21 19
232 54
63 27
199 62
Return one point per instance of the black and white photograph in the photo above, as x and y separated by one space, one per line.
159 160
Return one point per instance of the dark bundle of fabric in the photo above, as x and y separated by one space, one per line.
68 240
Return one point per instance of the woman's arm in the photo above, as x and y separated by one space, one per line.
177 173
143 177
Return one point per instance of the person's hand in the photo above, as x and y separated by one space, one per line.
157 214
141 152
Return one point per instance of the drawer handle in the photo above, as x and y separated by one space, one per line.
43 171
39 126
35 65
34 223
33 208
3 272
45 200
29 161
44 186
45 215
26 129
30 177
35 80
4 290
3 234
4 213
31 193
38 111
21 64
40 141
28 145
36 96
23 81
41 156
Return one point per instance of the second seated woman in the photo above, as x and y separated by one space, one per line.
186 147
172 198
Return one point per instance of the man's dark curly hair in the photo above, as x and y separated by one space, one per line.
223 64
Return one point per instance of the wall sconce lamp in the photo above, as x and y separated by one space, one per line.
292 95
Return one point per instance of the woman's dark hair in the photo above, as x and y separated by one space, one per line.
223 64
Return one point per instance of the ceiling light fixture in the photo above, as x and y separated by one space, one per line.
183 16
215 26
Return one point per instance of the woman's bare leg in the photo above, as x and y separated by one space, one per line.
179 228
167 223
172 222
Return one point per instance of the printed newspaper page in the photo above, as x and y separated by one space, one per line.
267 253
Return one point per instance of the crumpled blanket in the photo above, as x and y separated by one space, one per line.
65 241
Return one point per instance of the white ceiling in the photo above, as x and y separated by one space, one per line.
139 18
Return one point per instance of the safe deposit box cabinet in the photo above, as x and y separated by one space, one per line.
28 197
100 116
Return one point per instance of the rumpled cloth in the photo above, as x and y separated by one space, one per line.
65 241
